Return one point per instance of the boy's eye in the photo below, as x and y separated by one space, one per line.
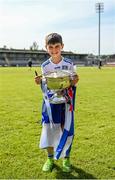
51 47
57 46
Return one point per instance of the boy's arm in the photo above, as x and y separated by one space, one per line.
75 80
38 79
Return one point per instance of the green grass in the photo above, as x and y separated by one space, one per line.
92 154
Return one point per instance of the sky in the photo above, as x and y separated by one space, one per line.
23 22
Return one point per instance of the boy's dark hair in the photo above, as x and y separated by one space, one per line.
53 38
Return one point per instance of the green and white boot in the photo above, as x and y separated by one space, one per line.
66 165
48 166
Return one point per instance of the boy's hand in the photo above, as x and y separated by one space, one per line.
38 79
75 80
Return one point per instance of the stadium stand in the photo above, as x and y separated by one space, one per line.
20 57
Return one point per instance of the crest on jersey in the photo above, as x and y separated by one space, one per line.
65 67
58 67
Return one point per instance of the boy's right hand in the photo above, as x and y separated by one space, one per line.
38 79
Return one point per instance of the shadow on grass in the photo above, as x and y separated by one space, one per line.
76 173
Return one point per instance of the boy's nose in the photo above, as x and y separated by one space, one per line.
54 50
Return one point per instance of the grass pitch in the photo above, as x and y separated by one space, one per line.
92 154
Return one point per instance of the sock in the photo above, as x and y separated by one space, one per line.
50 155
66 157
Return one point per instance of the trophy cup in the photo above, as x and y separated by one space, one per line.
57 82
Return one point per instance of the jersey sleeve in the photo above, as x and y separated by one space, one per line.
72 67
43 69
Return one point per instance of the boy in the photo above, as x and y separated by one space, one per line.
59 137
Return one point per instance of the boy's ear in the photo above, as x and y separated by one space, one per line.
62 46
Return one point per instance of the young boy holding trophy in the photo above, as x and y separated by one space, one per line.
57 116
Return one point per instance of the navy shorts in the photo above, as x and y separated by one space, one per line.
58 113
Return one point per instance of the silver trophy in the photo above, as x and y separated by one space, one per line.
57 82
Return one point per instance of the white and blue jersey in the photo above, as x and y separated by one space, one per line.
64 64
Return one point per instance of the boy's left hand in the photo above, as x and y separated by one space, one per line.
75 80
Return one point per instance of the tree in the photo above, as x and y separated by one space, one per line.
34 46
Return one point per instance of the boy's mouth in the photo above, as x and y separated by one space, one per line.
55 53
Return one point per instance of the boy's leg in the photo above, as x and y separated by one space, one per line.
48 166
50 150
66 164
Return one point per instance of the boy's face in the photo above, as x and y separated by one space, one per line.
54 50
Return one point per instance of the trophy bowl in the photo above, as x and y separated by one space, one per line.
58 80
